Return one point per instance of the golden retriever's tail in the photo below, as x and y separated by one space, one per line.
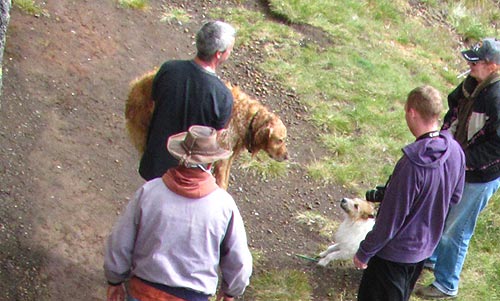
139 110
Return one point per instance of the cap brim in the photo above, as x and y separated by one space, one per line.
470 56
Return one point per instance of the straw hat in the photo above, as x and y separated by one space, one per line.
196 146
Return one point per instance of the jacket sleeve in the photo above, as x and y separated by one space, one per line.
236 259
120 243
452 114
398 198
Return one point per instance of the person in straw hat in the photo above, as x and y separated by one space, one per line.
179 230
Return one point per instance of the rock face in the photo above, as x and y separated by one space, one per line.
4 22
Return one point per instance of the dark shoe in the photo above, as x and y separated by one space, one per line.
431 292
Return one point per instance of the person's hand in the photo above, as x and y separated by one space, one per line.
116 293
223 297
359 265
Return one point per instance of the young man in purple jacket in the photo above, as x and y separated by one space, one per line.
426 180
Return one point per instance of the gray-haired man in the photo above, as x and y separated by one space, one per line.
188 92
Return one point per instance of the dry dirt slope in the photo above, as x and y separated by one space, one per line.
67 168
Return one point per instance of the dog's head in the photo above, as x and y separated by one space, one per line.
358 209
266 130
270 137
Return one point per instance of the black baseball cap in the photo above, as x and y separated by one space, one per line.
487 50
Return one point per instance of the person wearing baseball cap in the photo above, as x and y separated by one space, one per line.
473 119
179 231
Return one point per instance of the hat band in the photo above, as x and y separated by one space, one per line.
190 151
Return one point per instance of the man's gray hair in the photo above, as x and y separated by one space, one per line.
212 37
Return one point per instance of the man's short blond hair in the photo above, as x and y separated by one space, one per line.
427 101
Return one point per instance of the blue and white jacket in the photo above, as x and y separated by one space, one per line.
474 120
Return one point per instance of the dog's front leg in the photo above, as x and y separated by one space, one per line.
330 257
330 249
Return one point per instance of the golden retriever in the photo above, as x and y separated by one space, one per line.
359 220
252 126
139 109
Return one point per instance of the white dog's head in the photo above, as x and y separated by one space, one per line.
358 209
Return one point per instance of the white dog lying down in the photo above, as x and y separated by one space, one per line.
359 220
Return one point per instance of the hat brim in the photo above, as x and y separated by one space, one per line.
175 148
470 55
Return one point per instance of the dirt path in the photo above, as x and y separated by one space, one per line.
67 168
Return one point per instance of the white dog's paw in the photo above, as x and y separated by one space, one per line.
323 262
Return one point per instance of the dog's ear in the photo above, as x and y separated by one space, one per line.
260 139
368 215
235 91
370 210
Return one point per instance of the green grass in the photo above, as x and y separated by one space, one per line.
175 15
30 7
364 78
355 86
354 81
279 285
473 19
263 166
136 4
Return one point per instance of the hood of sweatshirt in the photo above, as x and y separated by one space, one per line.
430 152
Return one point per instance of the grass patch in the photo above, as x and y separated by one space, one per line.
135 4
356 84
473 19
178 15
258 258
254 29
30 7
263 166
279 285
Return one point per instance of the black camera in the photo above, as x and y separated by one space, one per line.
375 195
